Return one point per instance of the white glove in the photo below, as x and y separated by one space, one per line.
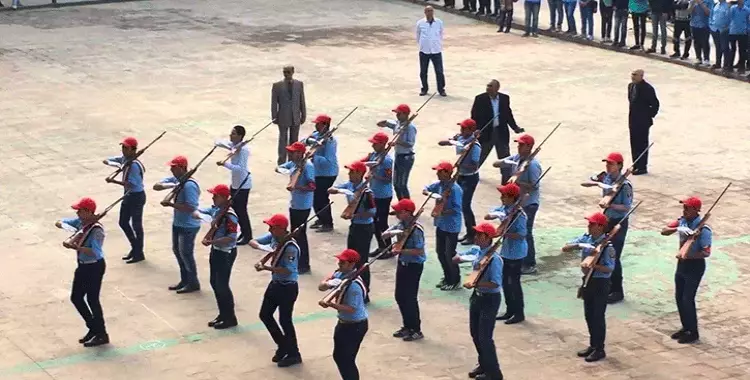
508 161
456 143
685 230
68 227
223 144
346 192
370 164
334 282
393 232
265 248
281 170
113 164
205 218
604 186
436 196
500 215
585 246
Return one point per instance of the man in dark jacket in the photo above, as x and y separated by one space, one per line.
493 107
644 105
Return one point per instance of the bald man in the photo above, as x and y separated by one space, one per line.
644 105
288 110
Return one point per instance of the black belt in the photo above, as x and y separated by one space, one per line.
81 262
405 154
351 322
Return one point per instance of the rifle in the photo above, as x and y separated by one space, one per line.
413 116
338 291
606 200
130 161
324 137
600 247
522 167
352 206
184 178
685 248
78 236
399 245
275 255
440 203
470 146
238 147
219 219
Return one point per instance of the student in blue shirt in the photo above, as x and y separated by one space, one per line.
326 170
381 184
302 198
739 16
242 181
690 267
484 302
619 207
283 289
528 181
361 228
411 258
184 226
700 11
513 252
352 324
448 223
597 289
468 172
718 24
87 279
131 209
404 149
223 253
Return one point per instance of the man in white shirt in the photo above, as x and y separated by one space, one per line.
430 40
242 182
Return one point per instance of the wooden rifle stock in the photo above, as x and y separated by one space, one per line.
351 207
242 144
473 278
137 154
607 200
440 203
525 164
185 177
223 212
77 237
275 255
685 248
401 241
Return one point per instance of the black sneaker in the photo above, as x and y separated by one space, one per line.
529 269
440 284
517 318
448 287
675 55
422 93
678 334
504 317
688 337
135 259
176 287
188 289
316 225
214 321
468 241
413 335
443 93
663 51
221 325
596 356
328 228
98 340
615 297
476 372
651 50
402 332
585 353
290 360
87 337
278 356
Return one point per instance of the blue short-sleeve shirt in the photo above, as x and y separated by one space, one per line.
228 227
515 249
354 296
289 258
415 241
704 240
470 164
606 259
493 273
366 203
94 240
132 175
624 197
448 223
301 200
382 188
325 160
190 195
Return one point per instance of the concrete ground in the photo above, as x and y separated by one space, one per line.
75 81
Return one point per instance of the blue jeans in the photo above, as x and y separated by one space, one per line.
587 21
530 210
531 11
570 15
183 247
556 13
437 64
401 169
621 26
482 312
721 42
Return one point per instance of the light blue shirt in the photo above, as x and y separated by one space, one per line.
448 223
702 242
409 137
530 176
190 195
719 17
514 249
133 175
325 160
415 241
289 258
624 197
496 109
94 240
228 227
366 203
607 257
238 165
699 18
739 18
382 188
470 164
493 273
301 200
354 296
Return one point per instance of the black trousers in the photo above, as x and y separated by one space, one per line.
680 27
639 28
618 243
87 283
504 20
445 245
359 239
594 308
298 218
606 13
512 287
321 198
347 337
407 291
484 6
239 205
639 142
131 211
381 220
735 41
468 184
482 313
281 296
500 141
687 278
221 264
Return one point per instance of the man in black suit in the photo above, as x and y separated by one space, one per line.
494 107
644 105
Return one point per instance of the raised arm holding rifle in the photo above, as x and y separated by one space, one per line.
380 179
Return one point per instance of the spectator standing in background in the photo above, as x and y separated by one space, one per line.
738 26
570 16
621 23
484 8
587 19
644 105
430 40
639 9
288 110
556 15
470 6
531 10
681 25
660 10
506 16
606 9
699 12
718 24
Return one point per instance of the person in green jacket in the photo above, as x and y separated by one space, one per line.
639 10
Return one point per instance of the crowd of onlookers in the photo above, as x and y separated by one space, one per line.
693 23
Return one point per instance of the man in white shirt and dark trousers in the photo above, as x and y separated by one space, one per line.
238 166
430 40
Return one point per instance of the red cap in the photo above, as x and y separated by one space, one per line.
402 108
509 189
129 142
443 165
614 157
404 205
693 202
349 255
598 218
357 166
468 123
486 228
277 220
379 138
85 204
179 161
322 119
296 147
525 139
220 189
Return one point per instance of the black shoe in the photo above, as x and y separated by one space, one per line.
413 335
315 225
447 287
663 51
188 289
462 238
678 334
244 242
688 337
640 171
525 35
715 66
225 324
504 317
615 297
422 93
585 353
402 332
290 360
635 47
176 287
468 241
278 356
98 340
443 93
464 9
596 356
476 372
528 269
485 376
517 318
214 322
651 50
87 337
128 256
304 270
675 55
328 228
684 57
440 284
135 259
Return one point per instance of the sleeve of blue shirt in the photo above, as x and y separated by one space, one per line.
328 150
342 186
495 271
455 197
309 173
290 258
609 258
475 154
409 137
233 219
96 241
625 197
119 159
171 179
533 173
209 210
577 240
433 188
73 222
192 194
265 239
519 226
705 238
387 165
354 297
289 165
417 238
391 124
